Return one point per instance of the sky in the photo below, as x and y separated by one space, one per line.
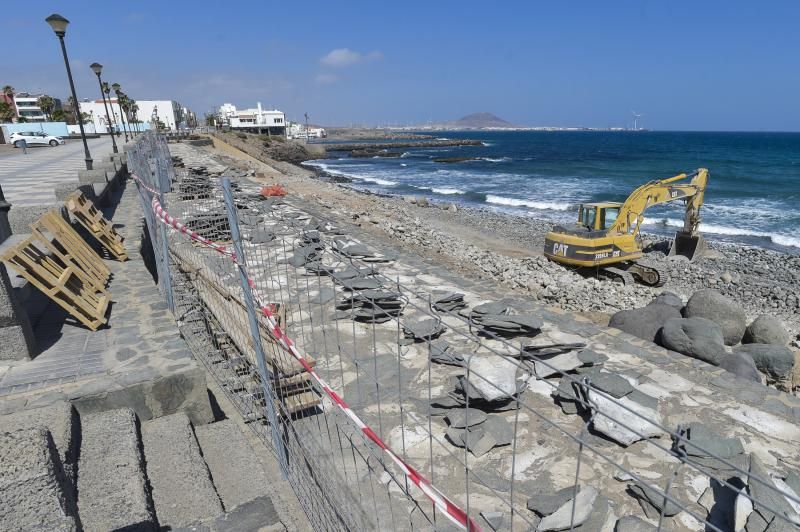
685 65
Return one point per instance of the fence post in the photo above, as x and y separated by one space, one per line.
164 186
233 220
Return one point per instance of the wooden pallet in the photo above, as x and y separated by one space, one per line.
58 280
61 239
94 222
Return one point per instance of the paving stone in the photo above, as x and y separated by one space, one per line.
183 492
34 491
112 486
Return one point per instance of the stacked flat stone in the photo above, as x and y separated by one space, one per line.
448 301
496 319
422 330
373 306
443 353
477 431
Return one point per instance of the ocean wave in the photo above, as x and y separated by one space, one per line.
338 173
376 180
406 154
776 238
403 164
446 190
513 202
495 159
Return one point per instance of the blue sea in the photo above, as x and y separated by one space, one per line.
753 195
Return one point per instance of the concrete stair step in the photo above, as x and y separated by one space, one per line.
34 491
258 514
112 485
62 422
183 492
235 470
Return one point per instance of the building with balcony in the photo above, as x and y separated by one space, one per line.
258 120
27 106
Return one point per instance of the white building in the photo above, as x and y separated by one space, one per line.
296 130
169 112
256 120
28 108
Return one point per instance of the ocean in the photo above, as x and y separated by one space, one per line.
753 196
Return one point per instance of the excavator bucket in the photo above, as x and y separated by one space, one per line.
688 245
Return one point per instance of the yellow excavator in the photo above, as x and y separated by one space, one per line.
606 237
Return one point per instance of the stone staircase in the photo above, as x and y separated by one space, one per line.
107 471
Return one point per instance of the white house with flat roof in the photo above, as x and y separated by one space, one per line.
256 120
28 107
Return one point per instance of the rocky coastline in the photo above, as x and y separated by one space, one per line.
496 245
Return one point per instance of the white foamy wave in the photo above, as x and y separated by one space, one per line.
495 159
403 164
330 171
406 154
513 202
782 240
446 190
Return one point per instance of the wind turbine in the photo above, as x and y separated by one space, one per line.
636 117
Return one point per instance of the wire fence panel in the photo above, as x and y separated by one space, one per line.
337 357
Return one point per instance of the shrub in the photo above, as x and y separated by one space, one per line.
242 135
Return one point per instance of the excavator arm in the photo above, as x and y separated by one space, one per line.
689 187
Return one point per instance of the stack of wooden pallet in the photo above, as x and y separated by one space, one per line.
57 260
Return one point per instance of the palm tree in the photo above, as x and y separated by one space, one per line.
7 113
46 104
8 92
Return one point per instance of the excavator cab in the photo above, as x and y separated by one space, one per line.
598 216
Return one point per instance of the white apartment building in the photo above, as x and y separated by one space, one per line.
171 113
28 108
256 120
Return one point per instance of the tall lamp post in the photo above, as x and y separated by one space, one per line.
97 68
118 92
59 25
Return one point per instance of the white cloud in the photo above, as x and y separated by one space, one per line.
342 57
326 79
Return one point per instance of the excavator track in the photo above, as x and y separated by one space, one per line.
620 275
648 274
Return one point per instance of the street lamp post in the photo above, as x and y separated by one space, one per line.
97 68
59 25
118 92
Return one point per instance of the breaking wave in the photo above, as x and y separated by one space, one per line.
513 202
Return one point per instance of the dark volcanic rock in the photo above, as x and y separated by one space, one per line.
726 313
646 322
742 366
766 329
775 361
668 298
631 523
695 337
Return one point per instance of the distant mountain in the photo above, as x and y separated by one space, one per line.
480 121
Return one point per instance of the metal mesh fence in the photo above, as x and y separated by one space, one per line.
372 435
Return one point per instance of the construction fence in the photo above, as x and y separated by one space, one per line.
316 339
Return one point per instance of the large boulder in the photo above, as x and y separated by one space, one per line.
668 298
774 361
741 365
695 337
644 323
766 330
712 305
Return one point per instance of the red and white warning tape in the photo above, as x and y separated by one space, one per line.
445 505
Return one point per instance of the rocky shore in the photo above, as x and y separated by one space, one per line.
505 247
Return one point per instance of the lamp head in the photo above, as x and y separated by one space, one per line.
58 23
116 87
97 68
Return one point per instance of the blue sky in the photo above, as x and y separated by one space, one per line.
687 65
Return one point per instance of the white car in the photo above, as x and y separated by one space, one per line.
34 138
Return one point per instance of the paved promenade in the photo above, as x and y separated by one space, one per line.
30 179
